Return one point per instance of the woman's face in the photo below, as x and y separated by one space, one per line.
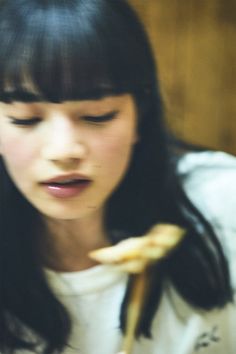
68 158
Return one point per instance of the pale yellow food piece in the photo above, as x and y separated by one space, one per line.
134 266
134 254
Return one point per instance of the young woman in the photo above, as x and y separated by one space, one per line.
86 162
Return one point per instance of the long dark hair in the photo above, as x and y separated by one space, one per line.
75 49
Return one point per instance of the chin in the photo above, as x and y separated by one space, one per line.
68 214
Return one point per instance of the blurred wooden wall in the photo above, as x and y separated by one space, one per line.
195 45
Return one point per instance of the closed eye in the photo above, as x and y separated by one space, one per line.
100 118
25 122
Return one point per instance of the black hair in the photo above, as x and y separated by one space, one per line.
75 49
62 41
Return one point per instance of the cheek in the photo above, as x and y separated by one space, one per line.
16 154
113 152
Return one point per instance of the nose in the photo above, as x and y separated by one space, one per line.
64 143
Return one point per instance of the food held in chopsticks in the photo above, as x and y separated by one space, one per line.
133 256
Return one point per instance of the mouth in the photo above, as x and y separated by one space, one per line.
65 180
66 186
68 183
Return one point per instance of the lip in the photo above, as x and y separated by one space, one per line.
67 190
61 178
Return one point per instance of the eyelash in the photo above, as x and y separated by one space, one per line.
25 122
100 119
92 119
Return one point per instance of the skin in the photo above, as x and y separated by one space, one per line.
63 140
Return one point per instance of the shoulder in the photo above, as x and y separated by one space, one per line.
209 180
206 160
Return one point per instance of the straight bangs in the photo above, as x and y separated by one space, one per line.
68 50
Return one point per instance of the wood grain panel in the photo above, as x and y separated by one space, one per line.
194 42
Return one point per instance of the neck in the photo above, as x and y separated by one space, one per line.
66 244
